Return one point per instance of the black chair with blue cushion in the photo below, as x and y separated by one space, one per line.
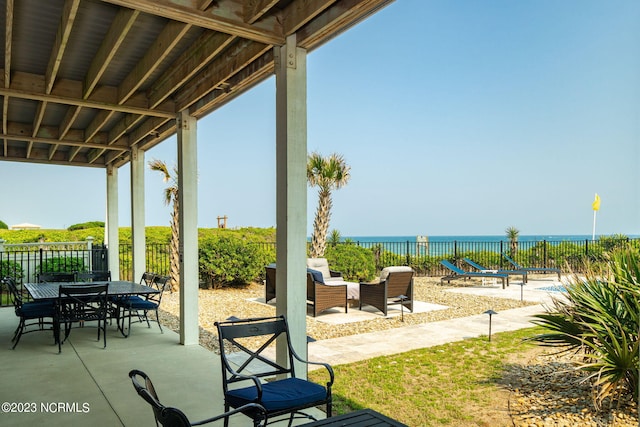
249 376
174 417
81 303
30 313
140 306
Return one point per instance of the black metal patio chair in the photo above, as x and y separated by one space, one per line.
173 417
140 306
30 313
282 392
83 303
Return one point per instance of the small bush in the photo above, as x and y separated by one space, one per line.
62 264
226 260
91 224
354 262
11 269
3 225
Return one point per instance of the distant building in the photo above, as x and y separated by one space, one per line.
25 226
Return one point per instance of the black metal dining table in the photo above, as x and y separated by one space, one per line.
50 290
117 288
361 418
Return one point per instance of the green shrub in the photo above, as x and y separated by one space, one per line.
82 226
62 264
228 260
3 225
354 262
11 269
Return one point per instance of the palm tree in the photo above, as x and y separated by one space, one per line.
334 237
512 235
171 197
327 173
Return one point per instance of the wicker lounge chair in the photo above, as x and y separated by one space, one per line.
479 267
319 295
543 270
395 287
458 273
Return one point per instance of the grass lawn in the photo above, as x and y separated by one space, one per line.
455 384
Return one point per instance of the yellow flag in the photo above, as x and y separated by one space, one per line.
596 203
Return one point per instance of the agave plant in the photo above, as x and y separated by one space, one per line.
600 320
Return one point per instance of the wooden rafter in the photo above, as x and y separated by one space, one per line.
115 37
57 108
268 32
62 38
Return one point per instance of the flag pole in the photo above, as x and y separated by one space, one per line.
596 206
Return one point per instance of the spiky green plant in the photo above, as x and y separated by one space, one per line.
512 235
599 319
334 237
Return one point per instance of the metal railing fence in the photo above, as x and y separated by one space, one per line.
24 261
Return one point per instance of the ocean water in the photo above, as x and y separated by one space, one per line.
446 245
503 238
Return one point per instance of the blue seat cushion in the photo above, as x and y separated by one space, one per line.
317 275
33 310
135 302
279 395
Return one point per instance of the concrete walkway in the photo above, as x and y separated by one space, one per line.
354 348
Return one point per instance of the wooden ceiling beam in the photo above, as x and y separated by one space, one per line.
164 44
298 14
255 9
333 21
240 82
94 102
116 35
67 142
8 42
235 58
203 50
67 121
69 13
267 31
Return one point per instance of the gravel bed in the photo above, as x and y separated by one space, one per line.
545 390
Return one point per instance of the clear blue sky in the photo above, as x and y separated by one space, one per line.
456 117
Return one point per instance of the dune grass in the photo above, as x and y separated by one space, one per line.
454 384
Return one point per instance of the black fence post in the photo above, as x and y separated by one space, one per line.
544 251
455 250
407 256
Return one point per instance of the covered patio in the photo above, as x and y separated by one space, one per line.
89 385
96 84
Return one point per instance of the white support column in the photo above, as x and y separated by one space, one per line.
291 192
111 238
188 208
137 213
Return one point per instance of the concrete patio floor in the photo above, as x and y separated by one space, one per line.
93 386
92 383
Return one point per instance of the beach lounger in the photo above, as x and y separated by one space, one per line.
457 273
543 270
479 267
